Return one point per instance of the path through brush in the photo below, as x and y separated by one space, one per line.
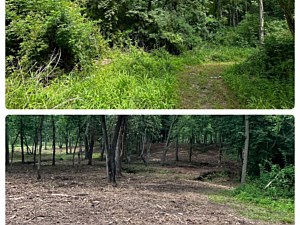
203 87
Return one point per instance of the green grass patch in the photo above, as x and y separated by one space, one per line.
133 80
257 92
251 203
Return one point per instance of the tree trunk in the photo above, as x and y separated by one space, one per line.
91 147
13 148
118 155
53 140
166 148
22 138
177 150
109 170
246 149
78 137
144 141
40 146
288 9
191 147
6 145
261 22
86 139
35 146
220 150
67 144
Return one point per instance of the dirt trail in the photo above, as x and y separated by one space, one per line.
202 87
153 195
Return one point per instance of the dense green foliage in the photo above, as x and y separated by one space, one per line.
54 45
41 33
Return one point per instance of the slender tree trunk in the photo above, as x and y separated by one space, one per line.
191 147
91 147
102 150
143 143
53 140
13 148
220 151
86 138
118 155
246 149
177 150
67 143
261 22
35 146
40 146
70 144
22 138
78 137
6 144
166 148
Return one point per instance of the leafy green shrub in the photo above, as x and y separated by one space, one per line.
279 50
41 31
278 182
244 35
175 26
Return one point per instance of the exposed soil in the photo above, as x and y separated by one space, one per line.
202 87
150 195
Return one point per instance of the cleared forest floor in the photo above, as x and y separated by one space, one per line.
202 87
144 195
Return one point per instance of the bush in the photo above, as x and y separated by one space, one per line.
281 182
41 32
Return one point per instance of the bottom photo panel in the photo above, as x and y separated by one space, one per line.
150 169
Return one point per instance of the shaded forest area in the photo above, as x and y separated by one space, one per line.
150 169
129 54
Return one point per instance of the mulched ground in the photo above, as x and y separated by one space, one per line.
81 195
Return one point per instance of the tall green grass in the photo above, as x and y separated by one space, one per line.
134 79
138 80
255 89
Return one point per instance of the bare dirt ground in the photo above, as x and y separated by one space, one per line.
153 195
202 87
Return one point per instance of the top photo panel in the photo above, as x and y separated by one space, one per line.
150 54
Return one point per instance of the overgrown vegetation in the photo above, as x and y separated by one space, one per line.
57 52
269 197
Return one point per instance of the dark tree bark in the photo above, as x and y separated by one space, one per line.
13 148
91 147
118 154
191 147
166 148
6 144
78 139
53 140
177 150
110 151
107 149
288 7
40 141
22 138
35 145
